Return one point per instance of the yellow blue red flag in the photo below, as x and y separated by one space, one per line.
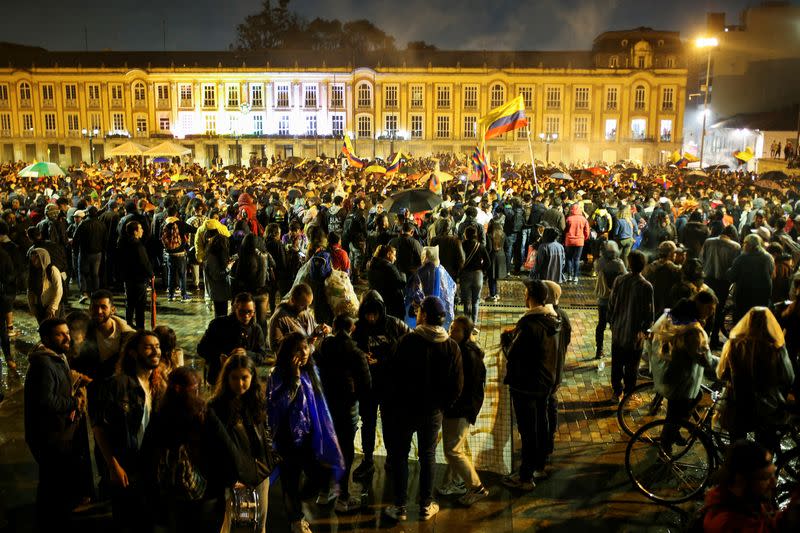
507 117
395 165
349 153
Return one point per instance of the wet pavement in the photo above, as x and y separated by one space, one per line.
587 490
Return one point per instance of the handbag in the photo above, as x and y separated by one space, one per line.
178 476
530 258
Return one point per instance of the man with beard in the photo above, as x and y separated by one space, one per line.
120 415
52 413
105 337
295 315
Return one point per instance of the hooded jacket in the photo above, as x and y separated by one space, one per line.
379 339
201 240
343 370
50 284
608 267
577 227
678 354
532 352
470 401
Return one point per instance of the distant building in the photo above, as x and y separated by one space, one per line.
624 99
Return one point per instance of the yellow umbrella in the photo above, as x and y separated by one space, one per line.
443 176
375 169
179 177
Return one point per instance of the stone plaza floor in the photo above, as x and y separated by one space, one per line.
587 490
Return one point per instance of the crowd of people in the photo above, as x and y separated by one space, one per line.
365 311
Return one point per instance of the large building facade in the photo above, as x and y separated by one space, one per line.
621 100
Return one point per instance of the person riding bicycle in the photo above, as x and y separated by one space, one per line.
679 351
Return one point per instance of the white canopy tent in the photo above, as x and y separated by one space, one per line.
167 149
127 149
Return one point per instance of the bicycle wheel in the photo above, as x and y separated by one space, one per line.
641 406
788 474
672 475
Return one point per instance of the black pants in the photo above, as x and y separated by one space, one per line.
624 368
721 289
6 306
552 422
220 308
130 511
534 432
58 483
345 422
427 427
678 409
296 460
602 322
135 303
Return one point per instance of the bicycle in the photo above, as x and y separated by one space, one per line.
645 405
677 472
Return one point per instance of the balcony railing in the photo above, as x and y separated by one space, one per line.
641 139
185 104
162 103
668 107
5 133
71 103
4 104
26 103
93 103
48 104
28 133
116 102
139 104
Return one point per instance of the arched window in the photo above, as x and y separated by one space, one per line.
497 95
139 93
613 62
670 63
364 95
639 97
25 93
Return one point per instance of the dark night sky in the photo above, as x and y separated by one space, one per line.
450 24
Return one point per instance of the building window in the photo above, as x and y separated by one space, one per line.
187 123
210 97
310 96
25 94
581 129
282 95
256 95
211 125
364 124
442 97
47 96
470 127
50 123
470 97
337 125
527 96
524 132
552 125
118 122
73 125
639 98
390 125
390 96
283 125
640 62
416 126
3 94
163 124
139 94
258 124
233 95
233 124
581 98
666 131
364 94
5 124
93 91
416 96
70 95
311 125
553 99
638 129
116 95
497 95
442 127
185 94
611 129
611 98
613 62
27 124
670 63
95 121
141 126
337 96
162 92
668 99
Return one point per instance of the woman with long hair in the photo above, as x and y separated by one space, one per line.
626 231
239 403
191 456
44 286
171 354
303 428
215 269
756 366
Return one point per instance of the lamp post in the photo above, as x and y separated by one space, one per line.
91 134
547 139
709 43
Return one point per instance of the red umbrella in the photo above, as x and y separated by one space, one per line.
598 171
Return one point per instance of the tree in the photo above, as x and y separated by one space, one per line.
271 27
362 35
325 34
420 45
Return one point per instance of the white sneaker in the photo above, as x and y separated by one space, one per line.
301 526
429 511
453 488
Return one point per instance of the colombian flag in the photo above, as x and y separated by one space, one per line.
347 150
507 117
395 166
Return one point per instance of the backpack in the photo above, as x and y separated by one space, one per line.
320 266
178 477
171 237
601 221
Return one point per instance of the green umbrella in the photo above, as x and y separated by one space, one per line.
42 168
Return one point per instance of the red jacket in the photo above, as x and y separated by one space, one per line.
577 230
726 513
339 258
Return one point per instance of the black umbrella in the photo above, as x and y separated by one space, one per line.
717 167
774 175
291 174
413 200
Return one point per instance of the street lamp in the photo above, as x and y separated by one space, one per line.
548 138
710 43
91 134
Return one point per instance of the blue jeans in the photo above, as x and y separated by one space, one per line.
427 428
90 271
176 274
471 283
508 248
573 257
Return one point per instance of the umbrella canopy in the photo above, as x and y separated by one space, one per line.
560 176
597 171
375 169
127 149
443 176
291 174
510 175
78 174
413 200
42 168
161 160
775 175
180 177
696 175
294 160
711 168
769 184
128 174
185 184
167 149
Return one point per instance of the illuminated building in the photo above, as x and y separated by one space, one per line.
623 99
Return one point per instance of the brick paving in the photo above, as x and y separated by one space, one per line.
588 489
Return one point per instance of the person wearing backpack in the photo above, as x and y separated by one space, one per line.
335 216
470 278
174 239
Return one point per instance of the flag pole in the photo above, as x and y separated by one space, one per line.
533 162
